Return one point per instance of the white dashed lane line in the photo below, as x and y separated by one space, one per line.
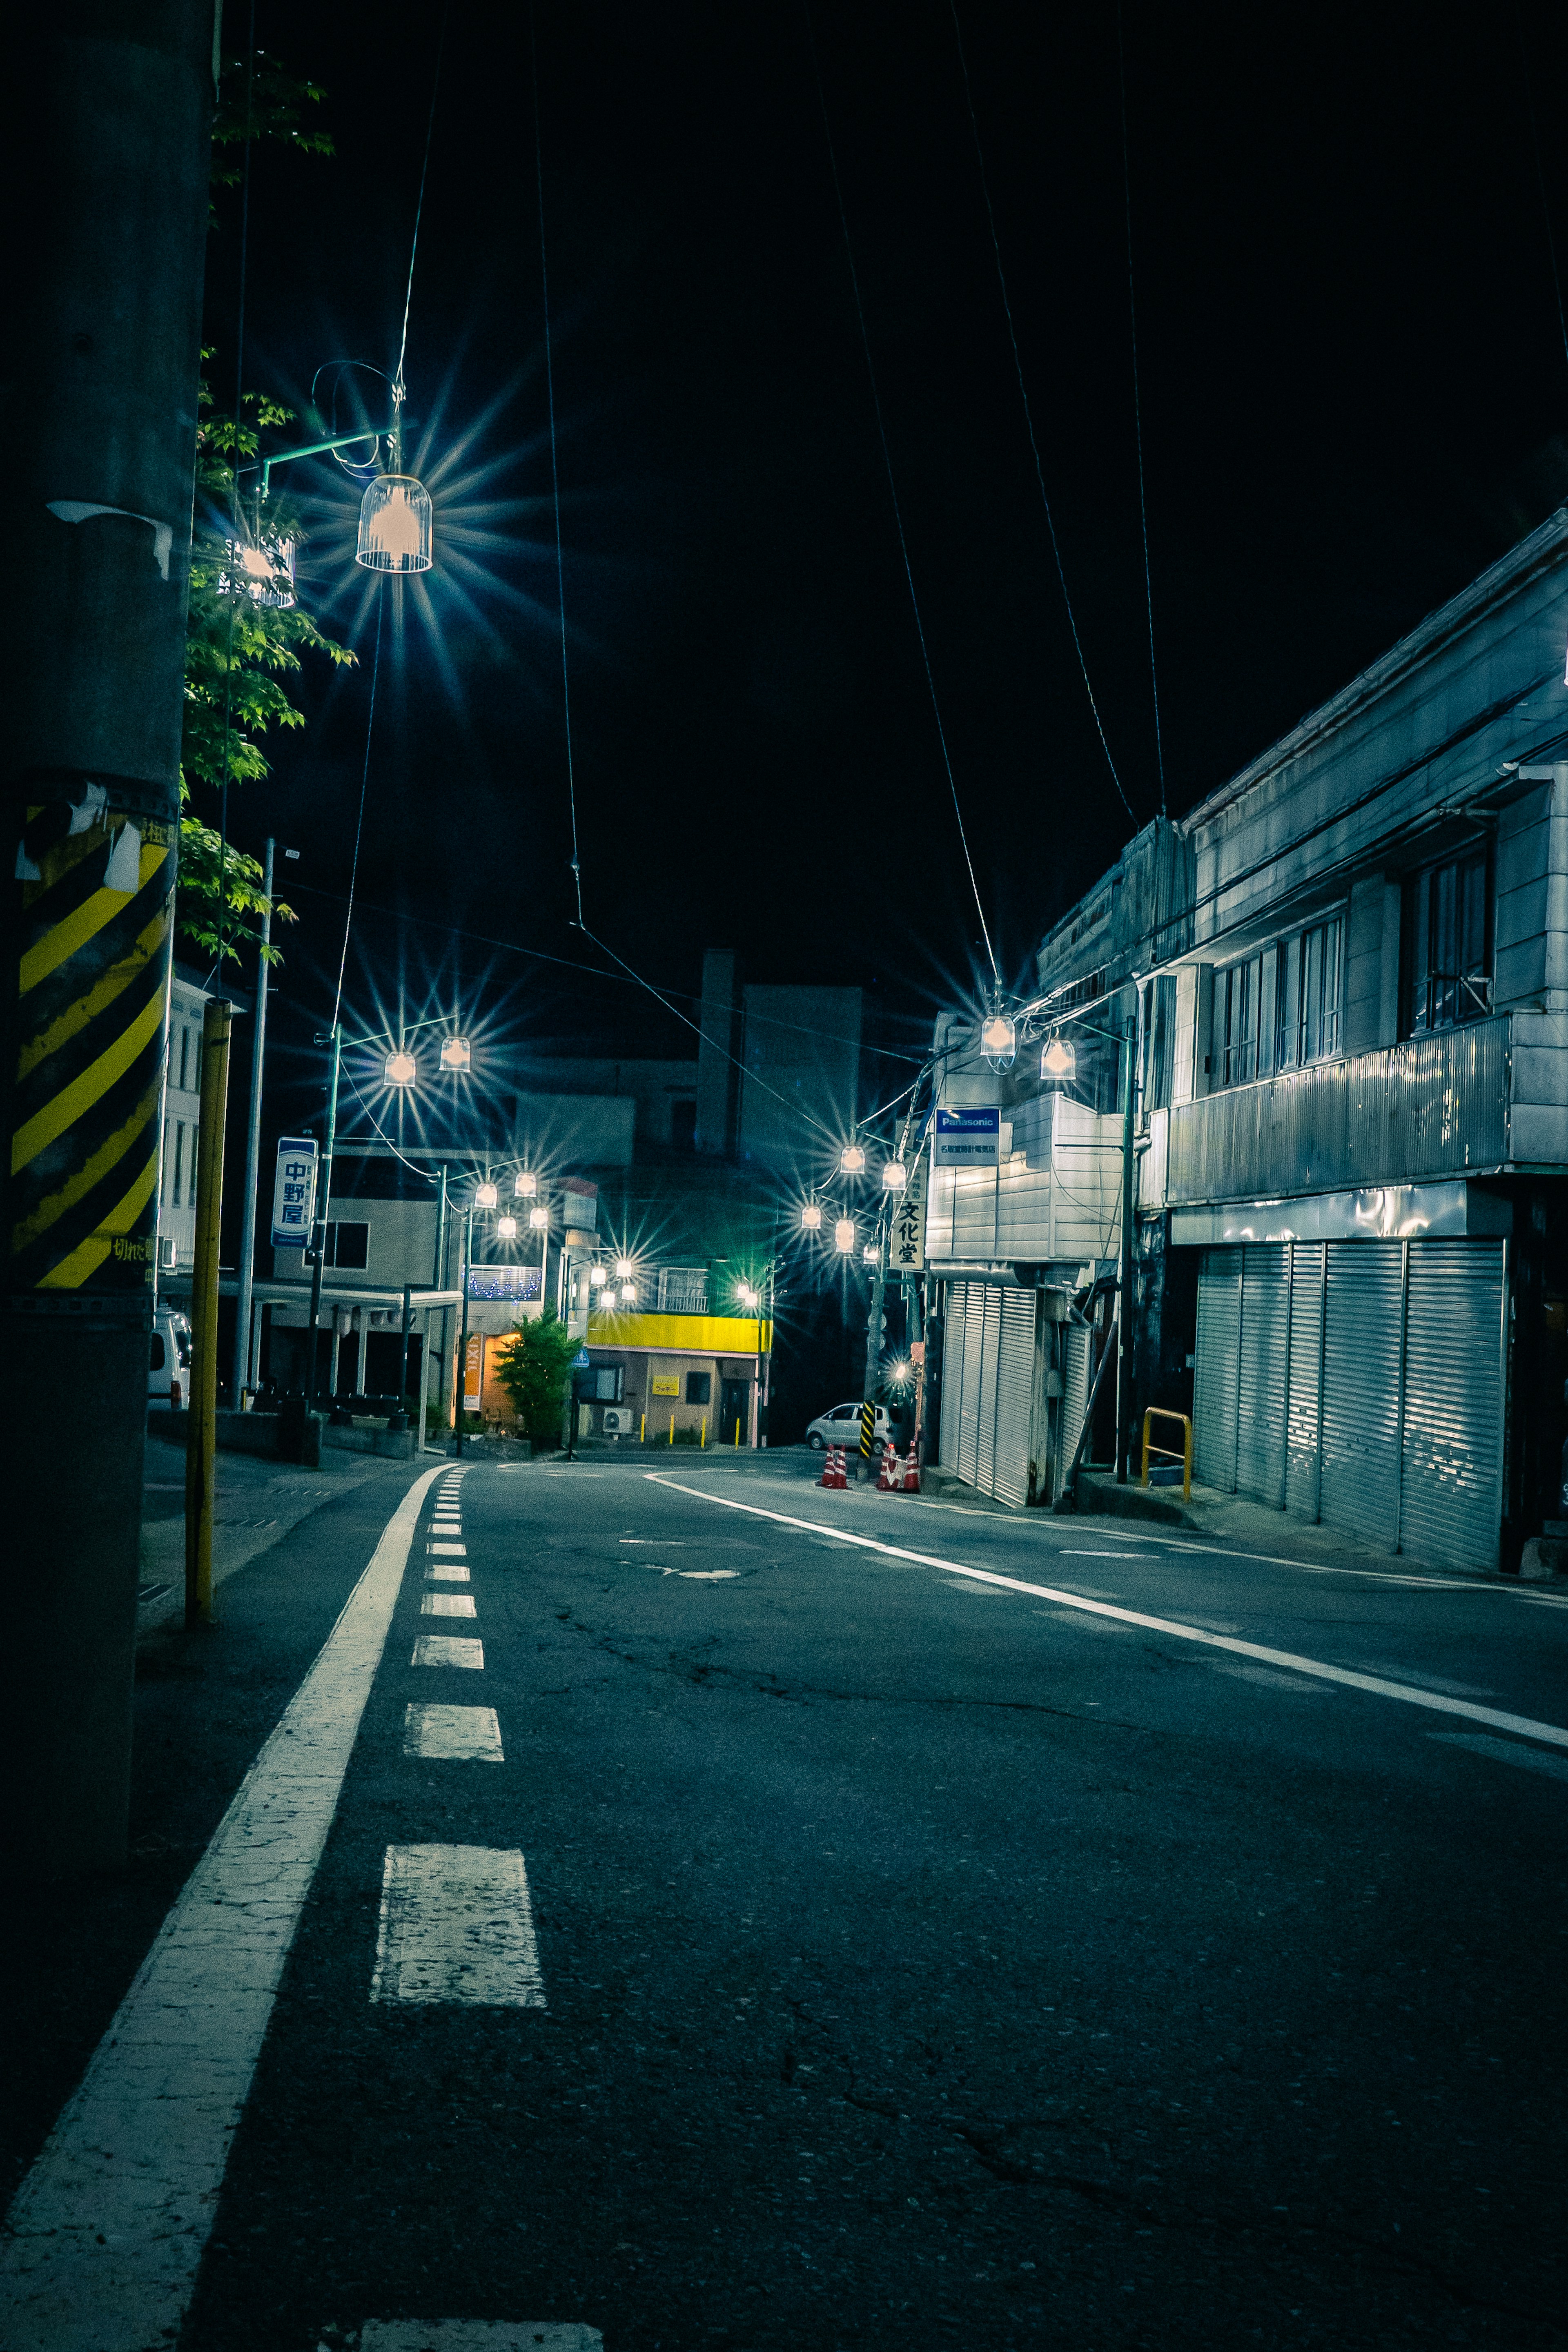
447 1571
447 1604
454 1734
1523 1727
457 1926
447 1649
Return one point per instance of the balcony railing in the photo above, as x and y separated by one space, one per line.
1434 1106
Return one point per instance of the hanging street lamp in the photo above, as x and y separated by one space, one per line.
811 1218
401 1068
852 1160
486 1197
456 1055
895 1175
999 1040
1058 1067
844 1235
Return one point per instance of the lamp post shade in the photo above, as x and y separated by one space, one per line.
526 1185
844 1235
1059 1065
401 1068
456 1055
486 1196
895 1176
852 1159
538 1219
394 525
811 1218
507 1228
998 1040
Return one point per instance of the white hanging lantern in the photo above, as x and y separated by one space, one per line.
811 1218
455 1054
507 1228
999 1041
401 1068
852 1159
871 1253
486 1197
394 525
844 1235
1058 1067
538 1219
526 1185
895 1176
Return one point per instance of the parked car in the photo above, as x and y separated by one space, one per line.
169 1362
841 1426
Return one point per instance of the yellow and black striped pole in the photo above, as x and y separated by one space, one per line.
103 315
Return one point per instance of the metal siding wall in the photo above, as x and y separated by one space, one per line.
969 1396
985 1429
1215 1382
1015 1395
953 1375
1453 1403
1360 1391
1261 1374
1075 1396
1306 1381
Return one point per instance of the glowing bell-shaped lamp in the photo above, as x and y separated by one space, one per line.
811 1218
394 525
1059 1065
998 1040
844 1235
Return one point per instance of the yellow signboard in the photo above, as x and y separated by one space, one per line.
665 1384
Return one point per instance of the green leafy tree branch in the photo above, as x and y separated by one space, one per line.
533 1369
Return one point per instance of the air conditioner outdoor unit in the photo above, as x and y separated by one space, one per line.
617 1421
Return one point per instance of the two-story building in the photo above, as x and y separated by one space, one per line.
1345 978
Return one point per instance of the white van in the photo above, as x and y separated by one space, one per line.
169 1364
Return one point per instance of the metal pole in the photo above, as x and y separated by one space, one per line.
459 1401
202 1429
1129 1233
403 1374
873 1354
102 298
242 1347
438 1282
334 1037
423 1447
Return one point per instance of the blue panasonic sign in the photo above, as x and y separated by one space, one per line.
967 1138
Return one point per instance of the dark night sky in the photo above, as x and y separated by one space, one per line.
1353 387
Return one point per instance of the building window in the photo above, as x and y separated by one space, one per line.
1240 999
185 1053
348 1245
1159 1041
698 1388
1307 996
682 1290
1448 946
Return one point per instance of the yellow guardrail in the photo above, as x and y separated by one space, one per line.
1167 1453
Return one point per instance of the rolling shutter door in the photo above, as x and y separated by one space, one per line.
1215 1372
1306 1380
1075 1396
985 1415
1360 1391
1453 1403
1015 1395
1261 1372
953 1374
969 1394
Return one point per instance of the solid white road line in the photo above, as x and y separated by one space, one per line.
447 1571
1504 1751
459 1735
107 2229
447 1604
456 1925
447 1649
480 2335
1524 1725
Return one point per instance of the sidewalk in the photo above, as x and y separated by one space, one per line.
259 1502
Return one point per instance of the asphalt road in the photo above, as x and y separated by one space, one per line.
925 1960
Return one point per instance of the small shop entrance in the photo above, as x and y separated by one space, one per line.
734 1406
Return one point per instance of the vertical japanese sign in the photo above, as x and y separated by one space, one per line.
294 1191
907 1244
474 1372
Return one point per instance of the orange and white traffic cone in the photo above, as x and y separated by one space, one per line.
826 1477
840 1475
912 1483
884 1479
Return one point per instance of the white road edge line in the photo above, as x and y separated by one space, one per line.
1523 1726
107 2232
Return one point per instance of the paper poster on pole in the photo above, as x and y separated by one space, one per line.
969 1136
294 1191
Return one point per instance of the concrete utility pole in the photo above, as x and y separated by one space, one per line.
105 170
1128 1251
201 1438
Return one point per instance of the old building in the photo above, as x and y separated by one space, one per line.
1340 985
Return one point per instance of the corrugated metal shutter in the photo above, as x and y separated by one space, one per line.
985 1417
1453 1403
952 1373
1015 1395
969 1395
1214 1381
1360 1391
1075 1396
1306 1378
1261 1372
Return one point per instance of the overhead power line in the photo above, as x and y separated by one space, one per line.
1138 408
